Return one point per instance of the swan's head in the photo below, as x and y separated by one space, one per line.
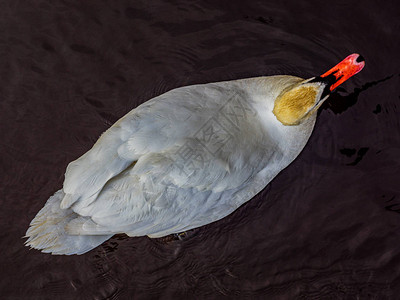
298 102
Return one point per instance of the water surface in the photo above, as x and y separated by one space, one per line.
328 227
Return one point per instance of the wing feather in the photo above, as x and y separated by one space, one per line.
166 165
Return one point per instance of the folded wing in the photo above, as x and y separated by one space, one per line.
168 163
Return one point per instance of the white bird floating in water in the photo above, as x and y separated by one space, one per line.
184 159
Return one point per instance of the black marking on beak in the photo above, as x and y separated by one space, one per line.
328 81
360 58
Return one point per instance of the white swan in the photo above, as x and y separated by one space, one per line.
184 159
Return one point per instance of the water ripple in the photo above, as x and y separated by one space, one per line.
326 228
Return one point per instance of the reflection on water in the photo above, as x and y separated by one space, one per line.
339 103
326 227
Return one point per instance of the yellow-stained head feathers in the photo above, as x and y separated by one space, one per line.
293 105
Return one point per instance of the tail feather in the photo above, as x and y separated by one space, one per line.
47 230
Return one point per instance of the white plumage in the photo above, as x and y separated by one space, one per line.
181 160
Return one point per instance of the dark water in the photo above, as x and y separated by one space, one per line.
328 227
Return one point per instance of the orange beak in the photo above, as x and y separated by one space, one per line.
348 67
